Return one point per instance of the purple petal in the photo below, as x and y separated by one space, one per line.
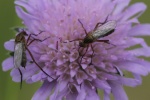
102 85
8 64
120 6
140 52
81 94
44 91
72 73
92 95
29 81
9 45
133 67
137 8
60 62
62 94
28 19
129 81
72 95
146 64
118 91
16 74
109 76
37 77
56 93
140 30
80 77
44 57
63 85
25 5
30 70
138 77
106 96
136 41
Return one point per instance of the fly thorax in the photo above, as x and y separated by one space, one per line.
88 39
21 36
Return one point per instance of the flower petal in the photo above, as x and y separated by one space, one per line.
44 91
102 85
140 30
25 5
16 76
72 95
62 94
140 52
120 6
28 19
9 45
134 9
91 93
118 91
81 94
8 64
129 81
133 67
106 96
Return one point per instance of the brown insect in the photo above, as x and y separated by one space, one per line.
21 45
106 28
101 30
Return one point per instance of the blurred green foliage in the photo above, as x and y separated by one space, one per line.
10 90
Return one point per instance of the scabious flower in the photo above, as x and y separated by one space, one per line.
75 77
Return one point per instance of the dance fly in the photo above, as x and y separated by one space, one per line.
20 48
98 32
101 30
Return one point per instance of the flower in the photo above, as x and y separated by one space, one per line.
79 72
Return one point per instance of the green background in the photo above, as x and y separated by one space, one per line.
10 90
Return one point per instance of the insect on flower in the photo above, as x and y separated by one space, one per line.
106 28
101 30
20 52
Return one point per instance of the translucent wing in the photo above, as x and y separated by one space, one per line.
104 29
18 54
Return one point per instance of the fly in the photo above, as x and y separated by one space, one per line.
20 48
98 32
101 30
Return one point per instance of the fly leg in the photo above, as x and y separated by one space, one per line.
80 60
83 27
92 55
21 77
26 47
84 53
74 40
32 37
101 23
105 41
37 63
28 43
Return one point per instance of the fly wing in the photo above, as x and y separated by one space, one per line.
18 54
104 29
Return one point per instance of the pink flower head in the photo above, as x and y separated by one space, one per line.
79 72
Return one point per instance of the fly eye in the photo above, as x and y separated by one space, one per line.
24 33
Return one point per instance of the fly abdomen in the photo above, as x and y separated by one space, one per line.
24 59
